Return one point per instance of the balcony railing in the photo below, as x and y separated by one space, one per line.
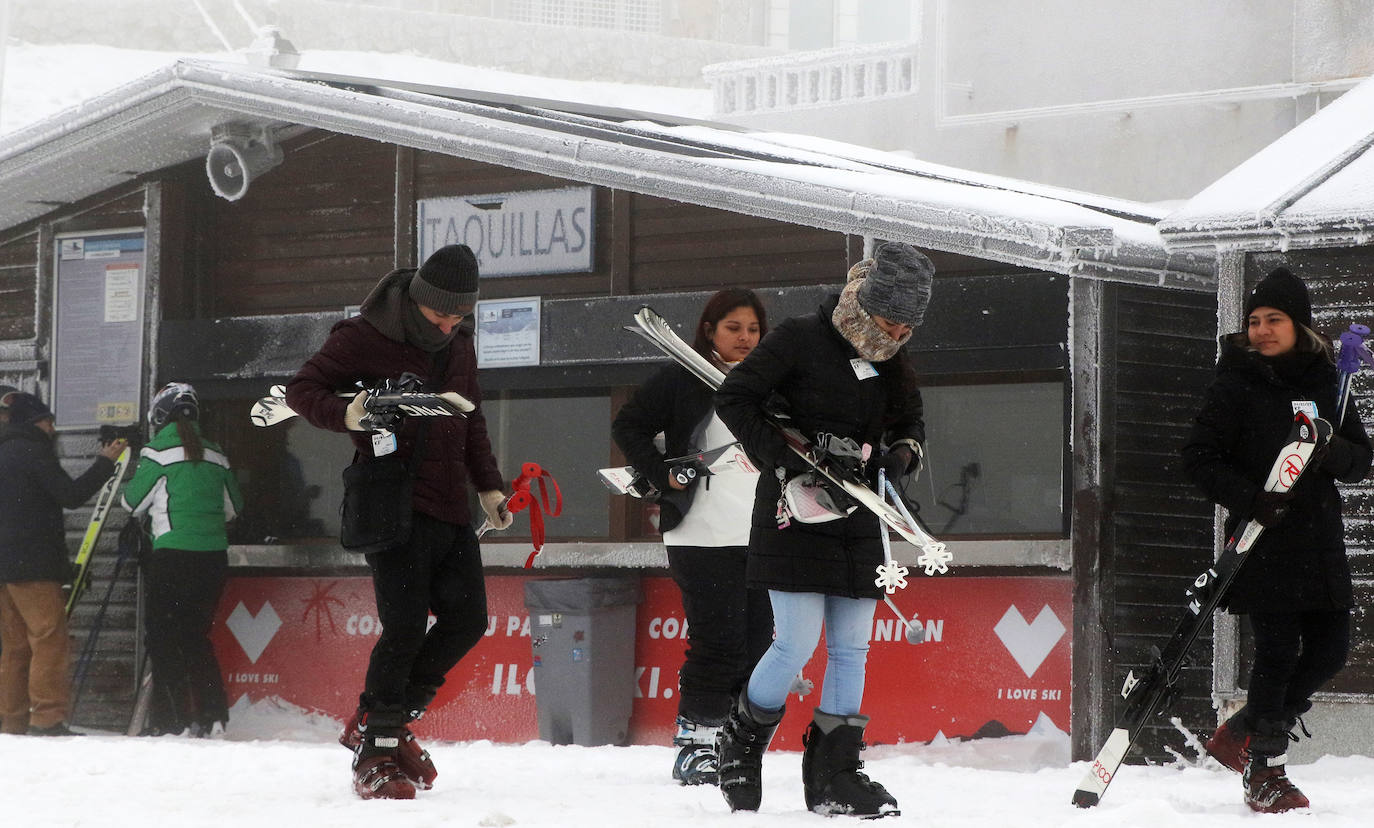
804 80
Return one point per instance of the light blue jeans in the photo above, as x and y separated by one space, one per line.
797 619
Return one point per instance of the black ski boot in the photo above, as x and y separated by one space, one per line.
696 762
832 778
376 773
1268 789
741 745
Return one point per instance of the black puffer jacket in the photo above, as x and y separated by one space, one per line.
673 402
807 362
1246 415
33 492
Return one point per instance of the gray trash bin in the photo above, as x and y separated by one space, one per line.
582 632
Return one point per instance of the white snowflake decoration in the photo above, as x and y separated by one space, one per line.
891 576
935 558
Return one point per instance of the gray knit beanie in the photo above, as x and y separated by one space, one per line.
447 281
897 286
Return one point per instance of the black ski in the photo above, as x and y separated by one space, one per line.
934 557
1149 695
728 458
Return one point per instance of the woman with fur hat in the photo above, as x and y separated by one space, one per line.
1295 585
840 372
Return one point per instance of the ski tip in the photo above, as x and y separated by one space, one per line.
1085 799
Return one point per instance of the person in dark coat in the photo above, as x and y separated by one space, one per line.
705 526
840 372
418 322
35 690
1295 585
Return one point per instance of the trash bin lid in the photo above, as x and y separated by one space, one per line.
573 594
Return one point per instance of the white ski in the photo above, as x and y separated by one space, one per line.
272 409
934 556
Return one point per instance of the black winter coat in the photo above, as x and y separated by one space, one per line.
33 492
807 362
1247 413
673 401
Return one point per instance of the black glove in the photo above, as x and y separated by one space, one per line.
896 462
1270 508
1334 456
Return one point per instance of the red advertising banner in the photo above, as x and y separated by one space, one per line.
996 659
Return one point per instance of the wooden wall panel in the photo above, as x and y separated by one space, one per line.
313 234
1162 359
18 285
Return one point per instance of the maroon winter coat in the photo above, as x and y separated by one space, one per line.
455 449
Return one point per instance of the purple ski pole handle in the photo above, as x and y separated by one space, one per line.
1353 349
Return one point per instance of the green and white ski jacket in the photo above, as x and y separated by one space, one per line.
188 503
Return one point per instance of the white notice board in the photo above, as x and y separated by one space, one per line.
97 353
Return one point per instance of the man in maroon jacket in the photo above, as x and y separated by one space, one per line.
418 322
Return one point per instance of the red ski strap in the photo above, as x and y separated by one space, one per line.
522 498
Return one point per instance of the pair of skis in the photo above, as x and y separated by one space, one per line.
1148 695
81 579
934 556
385 405
728 458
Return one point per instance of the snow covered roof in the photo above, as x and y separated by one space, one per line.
1313 187
166 118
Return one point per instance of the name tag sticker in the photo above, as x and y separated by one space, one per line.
863 369
383 443
1307 407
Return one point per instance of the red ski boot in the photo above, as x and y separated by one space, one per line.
1228 744
411 758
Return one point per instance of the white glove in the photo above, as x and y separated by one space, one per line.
494 504
353 417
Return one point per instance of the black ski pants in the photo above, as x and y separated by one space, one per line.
181 590
439 571
729 627
1295 654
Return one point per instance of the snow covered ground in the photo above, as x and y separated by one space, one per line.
281 767
40 81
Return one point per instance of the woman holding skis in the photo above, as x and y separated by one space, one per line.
705 526
183 483
1295 586
839 372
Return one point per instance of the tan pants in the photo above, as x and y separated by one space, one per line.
34 651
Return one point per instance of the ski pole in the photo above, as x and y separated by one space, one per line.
892 577
1353 352
934 556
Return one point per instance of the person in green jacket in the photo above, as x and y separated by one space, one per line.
184 485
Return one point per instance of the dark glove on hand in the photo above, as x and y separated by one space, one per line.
896 462
1270 508
1334 456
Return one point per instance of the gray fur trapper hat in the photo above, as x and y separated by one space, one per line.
898 284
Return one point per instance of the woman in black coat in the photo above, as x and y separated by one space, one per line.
1295 585
838 372
705 526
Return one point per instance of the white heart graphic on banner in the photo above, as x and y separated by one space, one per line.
253 633
1029 643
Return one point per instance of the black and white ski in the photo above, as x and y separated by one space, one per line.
728 458
1148 695
103 501
384 406
934 556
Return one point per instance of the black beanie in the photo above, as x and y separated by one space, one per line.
26 408
1283 291
447 281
